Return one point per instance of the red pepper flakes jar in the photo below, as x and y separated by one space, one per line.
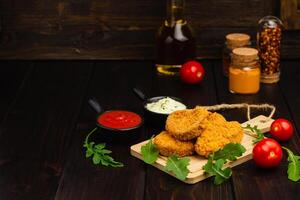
268 44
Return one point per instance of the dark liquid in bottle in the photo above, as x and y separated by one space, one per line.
175 45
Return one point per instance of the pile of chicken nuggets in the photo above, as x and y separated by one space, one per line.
196 130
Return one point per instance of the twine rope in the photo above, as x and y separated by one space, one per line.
225 106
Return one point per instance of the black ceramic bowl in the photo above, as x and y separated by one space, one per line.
119 135
155 119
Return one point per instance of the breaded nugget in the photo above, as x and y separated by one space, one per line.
213 118
167 145
185 124
217 135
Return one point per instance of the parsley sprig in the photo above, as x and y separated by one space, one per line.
99 154
258 134
216 161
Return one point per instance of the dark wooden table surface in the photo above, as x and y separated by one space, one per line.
45 116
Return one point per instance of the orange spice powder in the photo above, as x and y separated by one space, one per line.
244 82
244 71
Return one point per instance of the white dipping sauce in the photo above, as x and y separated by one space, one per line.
165 106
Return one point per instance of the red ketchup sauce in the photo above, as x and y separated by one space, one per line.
119 119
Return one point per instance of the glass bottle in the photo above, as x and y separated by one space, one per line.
268 44
175 43
244 71
233 40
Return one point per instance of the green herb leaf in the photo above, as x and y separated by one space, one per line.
294 166
96 158
100 146
215 169
149 152
178 166
254 129
88 153
216 161
90 145
100 155
106 160
222 176
230 152
105 151
208 167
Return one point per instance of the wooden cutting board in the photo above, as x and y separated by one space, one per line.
196 173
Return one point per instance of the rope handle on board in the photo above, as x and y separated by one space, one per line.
243 105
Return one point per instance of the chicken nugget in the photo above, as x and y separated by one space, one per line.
167 145
185 124
213 118
216 136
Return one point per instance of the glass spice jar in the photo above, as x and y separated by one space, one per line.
244 71
268 43
233 40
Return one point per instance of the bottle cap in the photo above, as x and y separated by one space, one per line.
235 40
244 54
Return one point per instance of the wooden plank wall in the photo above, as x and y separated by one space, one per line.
118 29
290 13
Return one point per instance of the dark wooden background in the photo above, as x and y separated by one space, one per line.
118 29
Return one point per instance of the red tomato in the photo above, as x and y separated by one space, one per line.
267 153
282 129
192 72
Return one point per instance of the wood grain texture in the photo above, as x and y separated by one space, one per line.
289 84
37 130
90 29
42 131
12 74
290 14
111 84
248 177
